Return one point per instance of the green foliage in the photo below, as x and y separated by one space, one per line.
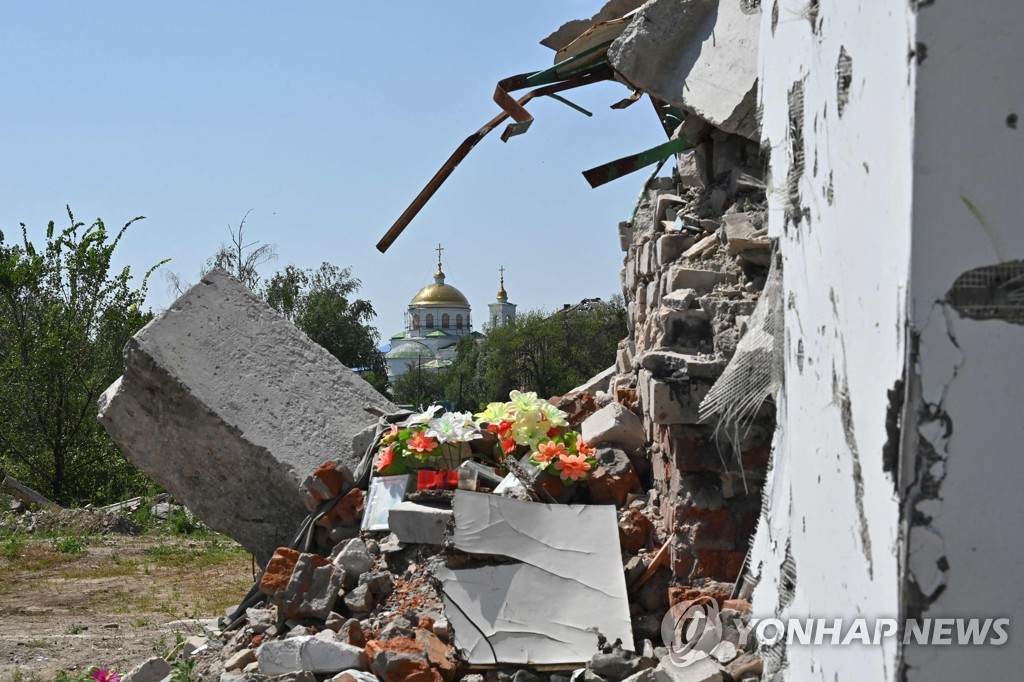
464 386
65 317
550 354
419 387
12 546
321 303
71 544
182 670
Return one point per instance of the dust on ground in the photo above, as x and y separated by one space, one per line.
70 602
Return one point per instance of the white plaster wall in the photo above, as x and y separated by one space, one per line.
968 179
846 263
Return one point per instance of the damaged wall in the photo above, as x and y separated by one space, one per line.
962 464
894 148
837 114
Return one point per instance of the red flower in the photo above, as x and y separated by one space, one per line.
552 432
508 445
502 428
386 458
422 443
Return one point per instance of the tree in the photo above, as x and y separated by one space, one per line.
551 354
464 382
420 387
239 258
320 303
65 318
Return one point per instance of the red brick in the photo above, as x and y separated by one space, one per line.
437 653
347 512
331 477
606 488
634 530
279 571
721 565
706 528
411 670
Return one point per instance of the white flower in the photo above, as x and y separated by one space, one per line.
523 402
453 427
423 417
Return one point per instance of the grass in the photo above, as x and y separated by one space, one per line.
75 544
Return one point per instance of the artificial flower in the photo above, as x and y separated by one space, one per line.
572 467
494 412
445 429
523 402
390 435
554 415
583 448
423 417
548 452
501 429
422 443
386 458
508 445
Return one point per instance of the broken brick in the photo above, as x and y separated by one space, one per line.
279 571
634 529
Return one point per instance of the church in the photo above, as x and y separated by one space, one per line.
437 317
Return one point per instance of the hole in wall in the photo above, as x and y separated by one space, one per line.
844 77
992 292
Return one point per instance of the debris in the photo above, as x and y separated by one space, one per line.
508 600
153 670
385 493
419 523
308 653
225 403
614 425
24 493
698 55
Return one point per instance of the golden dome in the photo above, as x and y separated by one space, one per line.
440 294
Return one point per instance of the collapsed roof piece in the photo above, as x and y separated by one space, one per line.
547 609
699 55
229 406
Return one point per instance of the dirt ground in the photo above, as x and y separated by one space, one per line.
69 603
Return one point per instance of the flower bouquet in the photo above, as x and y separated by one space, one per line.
528 424
431 445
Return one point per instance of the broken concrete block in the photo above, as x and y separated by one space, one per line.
680 299
741 234
153 670
355 558
700 670
598 382
700 55
238 661
359 601
229 406
419 523
354 676
686 167
571 30
614 425
308 653
705 245
670 247
679 277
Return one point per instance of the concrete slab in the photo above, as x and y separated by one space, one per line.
229 407
700 55
419 523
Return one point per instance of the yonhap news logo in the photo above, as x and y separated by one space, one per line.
692 629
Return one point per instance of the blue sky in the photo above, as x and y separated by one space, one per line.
325 119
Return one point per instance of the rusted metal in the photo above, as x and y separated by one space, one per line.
629 101
592 74
613 170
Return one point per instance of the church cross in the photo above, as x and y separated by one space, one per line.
502 271
439 250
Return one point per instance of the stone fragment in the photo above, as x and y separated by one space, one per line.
308 653
614 425
154 669
614 666
279 570
634 529
642 676
359 600
742 235
380 584
686 166
671 247
192 644
355 558
328 480
679 277
419 523
352 632
347 512
354 676
227 406
703 246
724 652
700 670
261 619
437 654
699 55
239 660
614 478
598 382
745 664
680 299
